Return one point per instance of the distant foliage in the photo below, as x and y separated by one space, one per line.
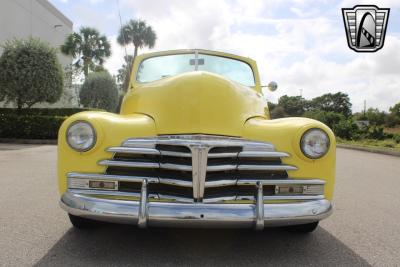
339 102
334 110
30 73
99 91
293 105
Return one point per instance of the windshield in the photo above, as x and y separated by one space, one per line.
156 68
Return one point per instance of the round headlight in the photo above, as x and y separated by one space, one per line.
81 136
314 143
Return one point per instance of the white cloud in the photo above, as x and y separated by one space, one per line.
303 47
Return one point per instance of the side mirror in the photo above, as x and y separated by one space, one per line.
272 86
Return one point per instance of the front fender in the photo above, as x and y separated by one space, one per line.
286 134
111 130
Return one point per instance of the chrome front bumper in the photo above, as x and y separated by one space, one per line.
143 213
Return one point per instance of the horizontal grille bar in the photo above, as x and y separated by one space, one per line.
254 167
189 200
134 150
262 154
189 183
175 154
282 182
210 168
132 164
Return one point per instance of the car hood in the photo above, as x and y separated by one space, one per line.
195 102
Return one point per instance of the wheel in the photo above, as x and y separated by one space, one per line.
302 228
82 223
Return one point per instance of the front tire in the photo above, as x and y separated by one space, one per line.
302 228
82 223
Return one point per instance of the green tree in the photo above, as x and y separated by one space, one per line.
339 102
293 105
329 118
375 117
395 110
99 91
138 33
277 112
30 73
88 47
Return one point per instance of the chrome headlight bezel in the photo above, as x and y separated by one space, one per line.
306 151
93 137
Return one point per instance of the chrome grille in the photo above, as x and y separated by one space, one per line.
197 167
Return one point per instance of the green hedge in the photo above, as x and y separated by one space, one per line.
30 126
44 111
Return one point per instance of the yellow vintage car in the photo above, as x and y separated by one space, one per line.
194 146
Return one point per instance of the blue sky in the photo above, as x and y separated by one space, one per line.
300 44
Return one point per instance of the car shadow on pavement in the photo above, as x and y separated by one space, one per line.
127 245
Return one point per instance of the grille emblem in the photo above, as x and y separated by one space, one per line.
199 169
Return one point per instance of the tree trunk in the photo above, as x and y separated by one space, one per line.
19 105
85 68
136 52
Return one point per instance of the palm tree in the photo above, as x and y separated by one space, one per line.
137 32
88 47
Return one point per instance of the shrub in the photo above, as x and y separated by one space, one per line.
396 138
62 112
29 126
30 73
327 117
346 129
376 132
99 91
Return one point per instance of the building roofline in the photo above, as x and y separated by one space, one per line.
50 7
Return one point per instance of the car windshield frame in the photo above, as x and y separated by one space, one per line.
196 54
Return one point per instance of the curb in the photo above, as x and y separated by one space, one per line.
29 141
369 149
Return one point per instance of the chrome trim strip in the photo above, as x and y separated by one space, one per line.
224 167
218 199
194 214
246 167
259 224
220 183
262 154
133 150
175 198
175 154
175 182
131 164
198 139
199 163
91 192
122 178
223 155
179 167
295 197
282 182
142 217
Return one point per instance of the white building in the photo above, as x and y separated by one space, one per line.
38 19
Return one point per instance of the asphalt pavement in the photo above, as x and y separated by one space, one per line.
363 230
